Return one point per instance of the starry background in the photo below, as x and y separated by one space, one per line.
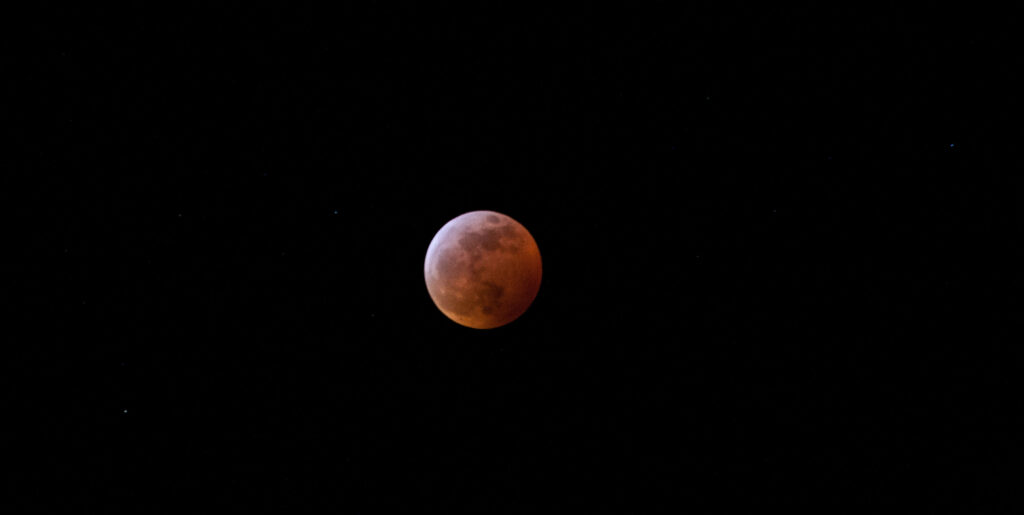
773 245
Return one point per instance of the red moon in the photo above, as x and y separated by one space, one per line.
482 269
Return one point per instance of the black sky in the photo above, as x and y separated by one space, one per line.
775 243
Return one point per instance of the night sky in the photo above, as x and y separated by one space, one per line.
776 244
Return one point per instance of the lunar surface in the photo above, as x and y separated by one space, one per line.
482 269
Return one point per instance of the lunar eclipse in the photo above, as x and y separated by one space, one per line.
482 269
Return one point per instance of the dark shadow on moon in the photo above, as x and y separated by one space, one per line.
489 295
488 240
491 240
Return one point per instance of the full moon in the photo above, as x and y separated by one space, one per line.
482 269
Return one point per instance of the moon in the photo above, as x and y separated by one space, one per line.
482 269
